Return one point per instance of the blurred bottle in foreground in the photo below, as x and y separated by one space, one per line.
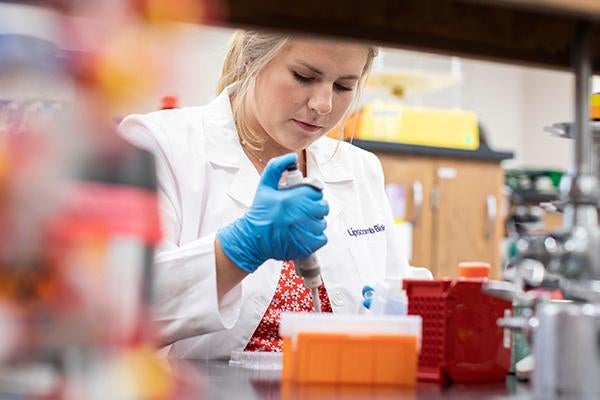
78 222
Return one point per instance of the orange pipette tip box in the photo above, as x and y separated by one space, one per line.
345 359
351 358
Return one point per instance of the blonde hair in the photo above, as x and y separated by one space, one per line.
249 52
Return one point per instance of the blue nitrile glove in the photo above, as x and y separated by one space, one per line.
281 224
367 292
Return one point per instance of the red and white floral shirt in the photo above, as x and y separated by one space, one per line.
290 295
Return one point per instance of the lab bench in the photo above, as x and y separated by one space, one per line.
220 381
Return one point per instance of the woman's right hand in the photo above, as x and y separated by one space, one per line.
280 224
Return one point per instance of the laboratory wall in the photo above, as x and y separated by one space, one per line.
547 99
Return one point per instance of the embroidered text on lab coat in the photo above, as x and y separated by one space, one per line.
366 231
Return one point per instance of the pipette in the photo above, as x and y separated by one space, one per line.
308 268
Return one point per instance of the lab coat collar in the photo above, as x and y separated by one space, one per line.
224 149
323 156
222 141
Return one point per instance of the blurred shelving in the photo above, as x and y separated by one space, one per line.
531 32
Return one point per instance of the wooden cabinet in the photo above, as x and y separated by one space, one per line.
457 216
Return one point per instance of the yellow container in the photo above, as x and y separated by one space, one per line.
393 122
595 106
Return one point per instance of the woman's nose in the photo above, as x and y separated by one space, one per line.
321 100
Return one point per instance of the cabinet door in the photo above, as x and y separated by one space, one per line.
466 214
415 174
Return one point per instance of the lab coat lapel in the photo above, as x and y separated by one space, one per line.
335 257
324 165
245 177
243 186
224 151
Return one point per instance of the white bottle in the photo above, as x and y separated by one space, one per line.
389 298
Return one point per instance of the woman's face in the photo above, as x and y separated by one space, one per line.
305 90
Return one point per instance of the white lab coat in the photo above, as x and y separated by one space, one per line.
206 181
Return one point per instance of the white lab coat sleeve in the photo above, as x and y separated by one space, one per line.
396 261
185 276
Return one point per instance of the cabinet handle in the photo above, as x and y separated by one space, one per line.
417 199
492 212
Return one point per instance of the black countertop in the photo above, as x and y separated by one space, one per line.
484 153
219 381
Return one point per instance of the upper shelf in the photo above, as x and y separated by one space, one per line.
530 32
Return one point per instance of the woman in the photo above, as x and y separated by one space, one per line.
222 274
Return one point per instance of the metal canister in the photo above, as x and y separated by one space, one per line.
566 347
